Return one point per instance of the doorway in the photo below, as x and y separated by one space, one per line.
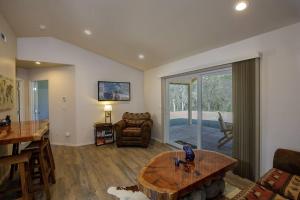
194 104
20 100
39 100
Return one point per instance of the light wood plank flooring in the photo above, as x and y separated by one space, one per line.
87 172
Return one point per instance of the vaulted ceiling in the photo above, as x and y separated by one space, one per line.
161 30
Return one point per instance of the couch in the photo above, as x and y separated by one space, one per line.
134 129
284 177
279 183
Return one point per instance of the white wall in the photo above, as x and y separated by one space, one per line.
89 68
7 59
62 115
280 81
8 69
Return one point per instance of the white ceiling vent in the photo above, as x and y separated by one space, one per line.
3 37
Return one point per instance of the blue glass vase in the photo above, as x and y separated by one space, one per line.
189 153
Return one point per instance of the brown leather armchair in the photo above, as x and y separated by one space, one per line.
134 129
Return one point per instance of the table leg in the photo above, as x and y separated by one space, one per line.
214 188
14 167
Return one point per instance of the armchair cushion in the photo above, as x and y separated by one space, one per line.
283 183
133 122
132 132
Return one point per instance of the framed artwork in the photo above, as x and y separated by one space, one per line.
113 91
6 93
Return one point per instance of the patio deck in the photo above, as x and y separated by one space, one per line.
210 137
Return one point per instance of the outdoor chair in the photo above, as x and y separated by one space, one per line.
226 128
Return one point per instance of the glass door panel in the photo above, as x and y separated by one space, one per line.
216 124
182 111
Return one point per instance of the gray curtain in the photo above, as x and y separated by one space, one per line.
246 143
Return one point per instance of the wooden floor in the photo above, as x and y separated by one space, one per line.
87 172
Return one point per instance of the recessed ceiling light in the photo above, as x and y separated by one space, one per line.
241 5
37 62
87 32
42 27
141 56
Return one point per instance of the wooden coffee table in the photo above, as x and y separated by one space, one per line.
161 179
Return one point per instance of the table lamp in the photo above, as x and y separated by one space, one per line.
107 110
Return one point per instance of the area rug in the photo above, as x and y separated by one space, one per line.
133 193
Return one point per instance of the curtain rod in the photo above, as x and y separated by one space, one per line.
209 67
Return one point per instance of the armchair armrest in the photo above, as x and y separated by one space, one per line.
147 124
287 160
119 126
146 132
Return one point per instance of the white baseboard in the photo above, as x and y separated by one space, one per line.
157 140
71 145
89 143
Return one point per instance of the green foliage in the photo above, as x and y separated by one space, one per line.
216 94
178 97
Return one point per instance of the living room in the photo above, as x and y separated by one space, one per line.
79 48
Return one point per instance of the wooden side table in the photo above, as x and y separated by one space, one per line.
104 133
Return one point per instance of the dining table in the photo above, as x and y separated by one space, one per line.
24 131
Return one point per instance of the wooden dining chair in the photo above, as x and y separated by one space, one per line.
227 131
41 165
22 161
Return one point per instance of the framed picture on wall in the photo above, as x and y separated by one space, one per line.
113 91
6 93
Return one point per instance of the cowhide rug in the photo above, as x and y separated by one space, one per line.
133 193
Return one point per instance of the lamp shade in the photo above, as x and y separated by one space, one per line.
107 108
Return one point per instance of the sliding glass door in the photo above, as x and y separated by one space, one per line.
199 111
216 111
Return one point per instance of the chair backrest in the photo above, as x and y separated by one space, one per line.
287 160
136 116
221 122
136 119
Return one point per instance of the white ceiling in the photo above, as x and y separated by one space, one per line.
162 30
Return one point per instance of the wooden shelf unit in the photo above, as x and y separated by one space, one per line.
104 133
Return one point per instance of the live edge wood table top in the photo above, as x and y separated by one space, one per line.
161 179
23 132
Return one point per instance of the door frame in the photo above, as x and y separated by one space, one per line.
20 96
33 98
